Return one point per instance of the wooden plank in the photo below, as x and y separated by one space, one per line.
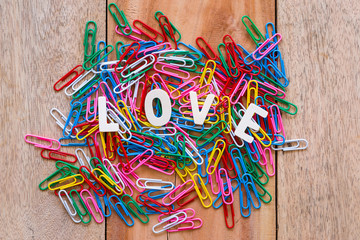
211 20
40 42
318 189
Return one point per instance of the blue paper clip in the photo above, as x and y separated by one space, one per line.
118 207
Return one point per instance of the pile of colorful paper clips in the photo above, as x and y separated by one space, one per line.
205 157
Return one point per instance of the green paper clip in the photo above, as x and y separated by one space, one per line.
138 208
166 30
278 101
89 32
91 59
260 37
122 14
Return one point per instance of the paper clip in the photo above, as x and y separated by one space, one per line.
107 181
260 37
52 156
75 182
138 209
117 20
298 146
118 206
171 195
175 217
89 63
174 30
72 212
79 212
207 50
219 148
63 171
155 34
49 140
204 189
229 188
191 227
174 68
164 185
85 172
89 32
226 215
167 29
66 76
88 206
263 53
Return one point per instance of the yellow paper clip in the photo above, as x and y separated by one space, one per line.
91 131
204 189
106 180
260 139
207 69
67 185
218 157
251 89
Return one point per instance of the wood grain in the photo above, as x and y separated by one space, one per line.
318 189
211 20
40 42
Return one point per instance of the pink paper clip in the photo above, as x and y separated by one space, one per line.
198 89
87 204
171 194
155 48
280 128
243 90
190 213
164 171
141 159
191 227
132 37
267 161
88 100
125 180
190 219
217 178
229 192
263 53
185 92
172 67
156 78
49 140
109 93
276 90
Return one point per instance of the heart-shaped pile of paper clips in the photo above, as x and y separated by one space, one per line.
212 159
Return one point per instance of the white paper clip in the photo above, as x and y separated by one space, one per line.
291 148
71 213
177 220
108 164
113 117
61 122
76 82
172 131
79 157
194 149
161 183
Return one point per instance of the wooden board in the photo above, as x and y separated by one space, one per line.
318 189
40 42
211 20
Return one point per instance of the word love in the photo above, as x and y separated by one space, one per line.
198 115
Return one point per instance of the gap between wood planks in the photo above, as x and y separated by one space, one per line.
276 153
